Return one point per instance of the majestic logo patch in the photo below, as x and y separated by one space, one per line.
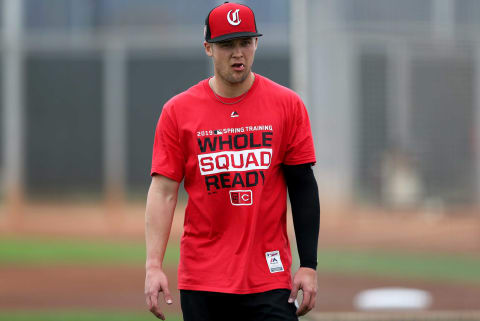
241 197
235 19
234 114
274 262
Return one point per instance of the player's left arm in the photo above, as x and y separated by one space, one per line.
303 192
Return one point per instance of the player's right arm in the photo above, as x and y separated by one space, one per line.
161 202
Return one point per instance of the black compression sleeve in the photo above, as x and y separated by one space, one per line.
303 192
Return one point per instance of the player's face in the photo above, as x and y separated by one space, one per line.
233 59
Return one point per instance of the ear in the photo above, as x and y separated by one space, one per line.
256 42
208 48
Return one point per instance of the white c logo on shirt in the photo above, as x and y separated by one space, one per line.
235 20
245 197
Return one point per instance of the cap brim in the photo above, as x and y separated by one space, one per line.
235 35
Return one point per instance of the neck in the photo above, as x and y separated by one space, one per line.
229 90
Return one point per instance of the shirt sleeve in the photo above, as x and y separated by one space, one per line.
300 148
167 156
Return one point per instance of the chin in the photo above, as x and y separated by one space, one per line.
238 77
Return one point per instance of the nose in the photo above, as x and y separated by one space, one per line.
237 51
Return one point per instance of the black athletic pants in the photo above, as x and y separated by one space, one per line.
213 306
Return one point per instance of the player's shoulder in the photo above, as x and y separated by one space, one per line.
279 91
185 98
282 94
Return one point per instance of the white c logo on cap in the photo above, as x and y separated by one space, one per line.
235 20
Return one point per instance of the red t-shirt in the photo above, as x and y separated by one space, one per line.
235 235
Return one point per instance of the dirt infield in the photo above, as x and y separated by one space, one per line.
113 287
352 227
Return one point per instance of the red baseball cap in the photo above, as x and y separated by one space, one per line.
228 21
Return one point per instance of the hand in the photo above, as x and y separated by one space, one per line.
306 280
156 281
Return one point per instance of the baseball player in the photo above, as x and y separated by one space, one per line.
237 140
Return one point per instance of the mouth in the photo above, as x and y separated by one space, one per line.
238 66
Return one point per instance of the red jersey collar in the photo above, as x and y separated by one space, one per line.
232 100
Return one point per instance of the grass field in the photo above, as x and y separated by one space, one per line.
84 252
423 266
66 315
437 267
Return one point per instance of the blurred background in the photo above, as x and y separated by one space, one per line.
393 93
